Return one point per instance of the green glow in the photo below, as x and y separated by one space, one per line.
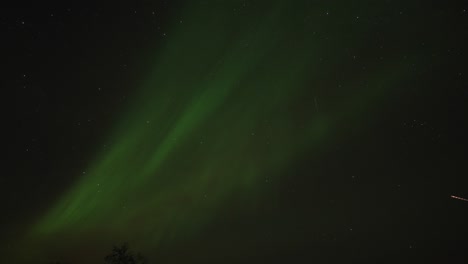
229 104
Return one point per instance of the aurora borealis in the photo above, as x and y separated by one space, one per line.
246 132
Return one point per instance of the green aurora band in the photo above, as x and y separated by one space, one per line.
233 100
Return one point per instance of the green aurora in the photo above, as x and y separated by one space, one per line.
233 100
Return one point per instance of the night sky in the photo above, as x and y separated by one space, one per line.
237 131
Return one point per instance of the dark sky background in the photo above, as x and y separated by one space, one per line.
375 188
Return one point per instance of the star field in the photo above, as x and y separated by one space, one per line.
239 131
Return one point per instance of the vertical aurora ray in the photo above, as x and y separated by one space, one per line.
227 106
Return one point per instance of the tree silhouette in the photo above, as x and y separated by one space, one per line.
122 255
